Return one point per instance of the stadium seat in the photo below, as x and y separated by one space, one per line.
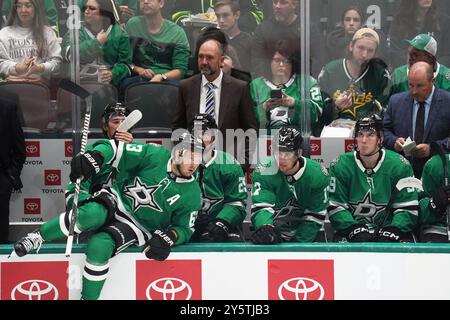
34 104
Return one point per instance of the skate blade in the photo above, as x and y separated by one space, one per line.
13 255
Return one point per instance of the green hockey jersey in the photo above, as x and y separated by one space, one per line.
223 186
358 195
432 179
296 205
373 84
149 196
400 78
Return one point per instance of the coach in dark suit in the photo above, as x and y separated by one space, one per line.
12 158
422 113
226 98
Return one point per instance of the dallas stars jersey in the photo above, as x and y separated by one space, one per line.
432 179
360 197
148 194
373 84
296 205
223 186
400 78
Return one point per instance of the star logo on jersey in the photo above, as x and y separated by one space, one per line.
208 203
359 101
142 195
285 214
366 209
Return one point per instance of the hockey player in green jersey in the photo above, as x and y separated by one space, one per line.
154 204
289 193
223 186
112 117
357 85
361 185
422 48
433 206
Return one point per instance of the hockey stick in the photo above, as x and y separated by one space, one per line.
437 149
86 96
130 121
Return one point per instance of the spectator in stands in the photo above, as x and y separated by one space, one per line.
358 84
102 44
422 48
272 112
29 50
338 40
436 200
421 114
361 203
228 14
126 8
284 25
49 7
251 15
289 193
160 47
12 158
225 98
416 17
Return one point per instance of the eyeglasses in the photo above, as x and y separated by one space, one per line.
27 5
91 8
279 61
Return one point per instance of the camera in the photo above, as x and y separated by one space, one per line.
276 94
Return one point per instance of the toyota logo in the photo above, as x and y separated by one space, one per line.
350 147
69 148
301 289
35 290
32 206
314 147
31 148
52 177
168 289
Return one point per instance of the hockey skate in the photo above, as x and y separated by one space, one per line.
28 243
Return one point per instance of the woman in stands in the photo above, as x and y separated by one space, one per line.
415 17
276 96
339 39
29 50
104 46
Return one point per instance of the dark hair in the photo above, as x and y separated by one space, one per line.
39 22
358 10
210 33
106 11
234 5
287 50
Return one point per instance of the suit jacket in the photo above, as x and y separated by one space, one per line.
236 108
12 152
399 114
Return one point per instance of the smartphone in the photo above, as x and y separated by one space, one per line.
276 94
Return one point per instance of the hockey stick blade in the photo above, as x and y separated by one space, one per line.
130 121
410 182
74 88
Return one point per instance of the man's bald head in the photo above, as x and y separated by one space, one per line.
421 81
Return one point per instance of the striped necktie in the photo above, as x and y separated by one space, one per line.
210 99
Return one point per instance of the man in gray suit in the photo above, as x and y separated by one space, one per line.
422 113
225 98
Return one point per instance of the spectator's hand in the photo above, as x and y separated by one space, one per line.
146 73
287 101
157 78
159 245
440 201
216 231
35 68
106 76
398 145
390 234
267 234
358 233
85 165
101 37
23 67
421 151
125 12
123 136
344 101
271 103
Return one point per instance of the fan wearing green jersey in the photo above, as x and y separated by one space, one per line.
363 183
153 204
289 193
223 186
357 85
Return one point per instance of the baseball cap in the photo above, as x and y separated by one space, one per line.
366 33
424 42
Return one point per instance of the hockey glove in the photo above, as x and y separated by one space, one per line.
358 233
160 244
216 231
390 234
85 165
267 234
202 221
440 201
